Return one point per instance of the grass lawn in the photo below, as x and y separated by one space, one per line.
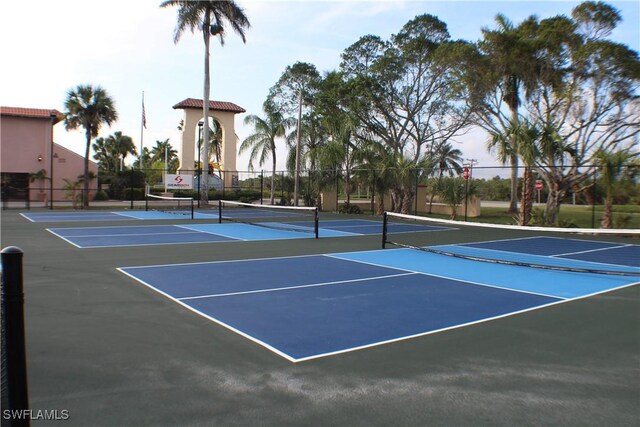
624 216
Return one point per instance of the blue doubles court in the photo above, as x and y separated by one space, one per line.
100 237
313 306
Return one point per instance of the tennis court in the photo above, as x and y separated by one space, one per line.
331 331
113 236
307 307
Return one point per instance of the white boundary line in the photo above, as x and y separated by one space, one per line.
286 288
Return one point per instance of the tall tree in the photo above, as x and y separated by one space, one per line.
290 96
89 108
262 142
511 59
592 105
210 17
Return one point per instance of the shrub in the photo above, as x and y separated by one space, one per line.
348 208
101 196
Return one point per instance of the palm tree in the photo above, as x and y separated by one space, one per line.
527 136
162 149
210 17
263 142
122 146
611 165
452 192
445 159
511 52
88 107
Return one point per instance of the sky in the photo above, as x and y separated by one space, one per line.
126 47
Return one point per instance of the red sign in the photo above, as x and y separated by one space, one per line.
539 185
465 173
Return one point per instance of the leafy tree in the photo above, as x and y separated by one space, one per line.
210 17
88 107
104 154
590 106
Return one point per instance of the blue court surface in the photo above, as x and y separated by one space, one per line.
100 237
125 215
307 307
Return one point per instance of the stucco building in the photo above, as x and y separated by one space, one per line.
29 157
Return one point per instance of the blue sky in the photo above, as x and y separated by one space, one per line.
127 47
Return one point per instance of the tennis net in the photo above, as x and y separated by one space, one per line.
613 252
171 205
287 218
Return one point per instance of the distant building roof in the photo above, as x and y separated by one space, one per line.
34 113
213 105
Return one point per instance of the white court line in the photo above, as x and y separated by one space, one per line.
135 234
312 285
63 238
595 250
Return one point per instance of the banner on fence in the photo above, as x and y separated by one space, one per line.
178 182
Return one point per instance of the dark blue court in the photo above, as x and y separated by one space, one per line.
313 306
99 237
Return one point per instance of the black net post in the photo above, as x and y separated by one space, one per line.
14 362
219 211
384 229
261 186
316 223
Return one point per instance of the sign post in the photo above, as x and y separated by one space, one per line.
539 187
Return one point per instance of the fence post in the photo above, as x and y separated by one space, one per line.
131 187
15 396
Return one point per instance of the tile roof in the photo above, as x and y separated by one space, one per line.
214 105
35 113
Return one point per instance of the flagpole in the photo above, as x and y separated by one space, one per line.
143 124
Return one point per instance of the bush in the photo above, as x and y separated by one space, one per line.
348 208
101 196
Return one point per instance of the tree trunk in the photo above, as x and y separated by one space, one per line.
407 201
85 191
526 204
273 180
396 200
204 186
380 208
553 205
513 202
607 216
